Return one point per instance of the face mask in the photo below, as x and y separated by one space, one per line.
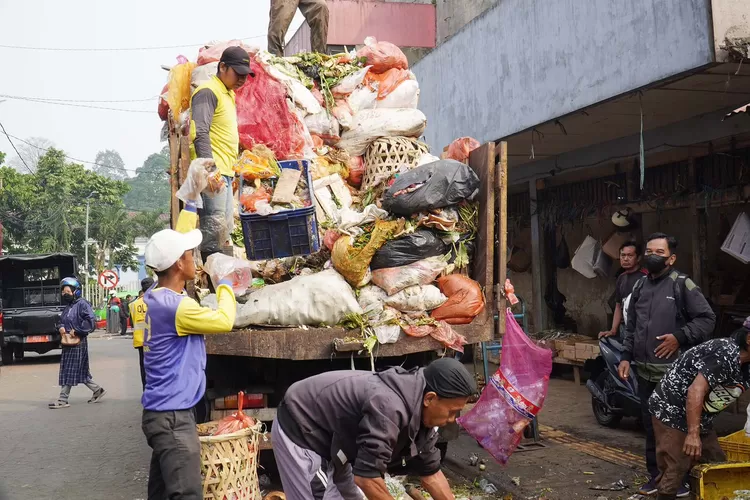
67 298
655 263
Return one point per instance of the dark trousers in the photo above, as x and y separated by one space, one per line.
673 463
175 471
645 389
143 369
123 325
282 13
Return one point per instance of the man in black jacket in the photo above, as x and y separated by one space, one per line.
667 314
341 430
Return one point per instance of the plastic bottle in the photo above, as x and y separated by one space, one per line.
510 292
188 218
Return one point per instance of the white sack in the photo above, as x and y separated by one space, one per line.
202 74
417 298
372 124
351 82
361 99
406 95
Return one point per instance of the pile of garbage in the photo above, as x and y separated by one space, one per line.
397 224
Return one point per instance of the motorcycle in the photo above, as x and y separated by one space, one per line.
611 397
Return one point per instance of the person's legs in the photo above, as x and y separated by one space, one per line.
143 369
123 326
173 438
341 484
711 450
301 475
281 15
673 463
228 247
97 390
645 389
156 486
316 15
62 399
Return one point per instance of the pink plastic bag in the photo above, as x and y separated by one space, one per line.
213 53
263 116
512 396
460 149
382 56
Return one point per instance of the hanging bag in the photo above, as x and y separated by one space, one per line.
69 339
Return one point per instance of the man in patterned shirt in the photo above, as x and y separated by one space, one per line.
700 384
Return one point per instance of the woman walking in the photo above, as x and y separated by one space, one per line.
76 322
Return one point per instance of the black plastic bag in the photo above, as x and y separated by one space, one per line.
435 185
416 246
562 254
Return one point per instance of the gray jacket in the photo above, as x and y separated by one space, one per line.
672 303
371 420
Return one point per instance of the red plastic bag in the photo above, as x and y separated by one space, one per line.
213 53
465 299
163 109
356 171
441 331
382 56
330 238
460 148
248 201
386 82
263 116
513 396
236 421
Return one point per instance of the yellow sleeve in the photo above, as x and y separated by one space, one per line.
192 319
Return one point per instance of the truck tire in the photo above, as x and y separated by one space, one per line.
7 354
18 352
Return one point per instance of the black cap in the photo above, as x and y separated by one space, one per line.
238 59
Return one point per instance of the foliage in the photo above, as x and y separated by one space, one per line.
31 152
149 189
46 212
109 163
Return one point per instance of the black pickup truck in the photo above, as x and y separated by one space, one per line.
30 302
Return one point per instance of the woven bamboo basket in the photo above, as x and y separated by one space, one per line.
229 463
385 156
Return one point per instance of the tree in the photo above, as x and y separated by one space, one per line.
150 189
109 163
148 223
31 152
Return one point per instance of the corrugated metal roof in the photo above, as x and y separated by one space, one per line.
742 109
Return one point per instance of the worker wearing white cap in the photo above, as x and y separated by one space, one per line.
175 360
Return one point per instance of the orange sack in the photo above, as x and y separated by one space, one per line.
386 82
465 300
460 149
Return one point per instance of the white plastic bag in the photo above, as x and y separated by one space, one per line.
239 271
349 218
372 124
324 125
386 326
324 298
202 74
351 82
747 423
202 175
372 301
417 298
361 99
422 272
584 256
406 95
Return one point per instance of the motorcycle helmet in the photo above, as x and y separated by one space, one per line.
74 284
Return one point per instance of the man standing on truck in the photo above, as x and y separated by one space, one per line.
214 115
282 13
667 314
703 382
174 355
630 262
341 430
138 317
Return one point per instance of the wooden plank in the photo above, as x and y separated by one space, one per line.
174 158
502 261
482 161
695 234
317 343
539 309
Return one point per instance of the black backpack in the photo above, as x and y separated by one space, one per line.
678 281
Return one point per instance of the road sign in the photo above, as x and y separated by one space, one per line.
108 279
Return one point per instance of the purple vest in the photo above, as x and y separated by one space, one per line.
175 365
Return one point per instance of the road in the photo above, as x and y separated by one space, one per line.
91 451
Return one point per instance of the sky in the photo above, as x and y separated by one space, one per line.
132 75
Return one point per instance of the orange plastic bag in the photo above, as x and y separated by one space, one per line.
465 300
330 238
248 201
236 421
179 91
460 148
386 82
356 171
382 56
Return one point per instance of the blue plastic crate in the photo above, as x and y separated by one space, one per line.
285 234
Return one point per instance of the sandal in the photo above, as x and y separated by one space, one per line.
58 404
98 395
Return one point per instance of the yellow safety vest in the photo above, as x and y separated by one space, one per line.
138 317
224 136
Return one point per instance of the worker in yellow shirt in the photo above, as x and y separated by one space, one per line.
138 318
215 135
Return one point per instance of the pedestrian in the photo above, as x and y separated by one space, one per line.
339 431
174 358
138 318
667 314
124 315
282 12
630 262
702 383
214 114
77 319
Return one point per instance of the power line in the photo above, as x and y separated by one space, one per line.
16 150
111 49
78 100
59 103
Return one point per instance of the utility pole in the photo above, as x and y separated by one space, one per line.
86 246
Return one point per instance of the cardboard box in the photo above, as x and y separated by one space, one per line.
587 350
569 352
737 243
